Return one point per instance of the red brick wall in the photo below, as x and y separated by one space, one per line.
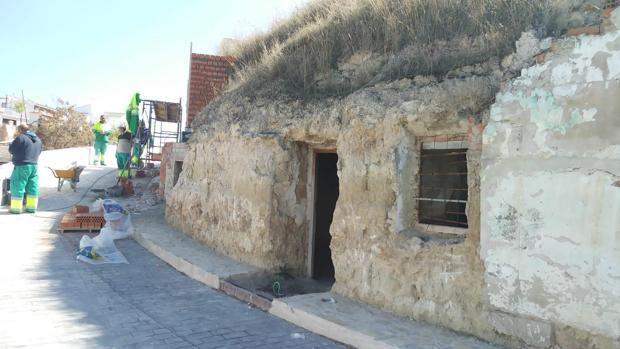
208 77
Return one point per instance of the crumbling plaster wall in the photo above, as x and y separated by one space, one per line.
550 237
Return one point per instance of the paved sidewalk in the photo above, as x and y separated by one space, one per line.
364 326
349 322
48 300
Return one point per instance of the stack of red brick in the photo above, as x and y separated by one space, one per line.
79 218
208 77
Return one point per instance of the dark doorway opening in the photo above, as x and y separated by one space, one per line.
178 168
326 195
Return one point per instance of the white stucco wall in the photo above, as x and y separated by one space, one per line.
550 235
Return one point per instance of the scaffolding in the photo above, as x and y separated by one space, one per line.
164 123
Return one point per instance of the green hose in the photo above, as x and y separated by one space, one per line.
276 288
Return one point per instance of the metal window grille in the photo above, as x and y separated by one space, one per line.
443 190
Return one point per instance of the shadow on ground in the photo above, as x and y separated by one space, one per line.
50 300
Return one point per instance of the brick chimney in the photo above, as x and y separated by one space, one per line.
208 76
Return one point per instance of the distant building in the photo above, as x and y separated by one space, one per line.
38 110
87 111
9 114
114 119
10 117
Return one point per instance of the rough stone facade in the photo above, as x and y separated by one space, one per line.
246 190
173 155
239 196
550 197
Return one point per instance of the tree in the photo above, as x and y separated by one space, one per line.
20 107
64 128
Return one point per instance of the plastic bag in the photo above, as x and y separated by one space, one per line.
88 252
117 220
101 248
96 206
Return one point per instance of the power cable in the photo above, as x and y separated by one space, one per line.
85 193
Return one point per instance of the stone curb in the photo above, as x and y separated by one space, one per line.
177 262
212 280
326 328
246 296
277 308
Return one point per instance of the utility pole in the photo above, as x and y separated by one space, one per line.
189 80
25 109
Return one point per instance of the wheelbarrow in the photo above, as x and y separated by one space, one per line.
72 175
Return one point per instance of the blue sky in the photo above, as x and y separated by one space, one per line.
100 52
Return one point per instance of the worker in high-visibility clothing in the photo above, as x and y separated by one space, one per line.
25 151
102 133
141 139
123 150
132 115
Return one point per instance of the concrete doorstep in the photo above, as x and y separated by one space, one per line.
327 314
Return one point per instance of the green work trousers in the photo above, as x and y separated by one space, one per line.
24 180
100 148
136 153
121 160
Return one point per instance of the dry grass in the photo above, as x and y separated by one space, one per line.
300 55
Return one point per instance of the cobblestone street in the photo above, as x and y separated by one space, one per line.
48 300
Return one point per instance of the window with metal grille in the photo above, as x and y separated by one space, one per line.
443 185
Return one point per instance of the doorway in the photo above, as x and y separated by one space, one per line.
325 197
178 168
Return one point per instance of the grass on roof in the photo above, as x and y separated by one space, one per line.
300 55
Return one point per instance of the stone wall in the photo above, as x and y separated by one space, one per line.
244 192
243 197
248 174
551 196
173 155
403 268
